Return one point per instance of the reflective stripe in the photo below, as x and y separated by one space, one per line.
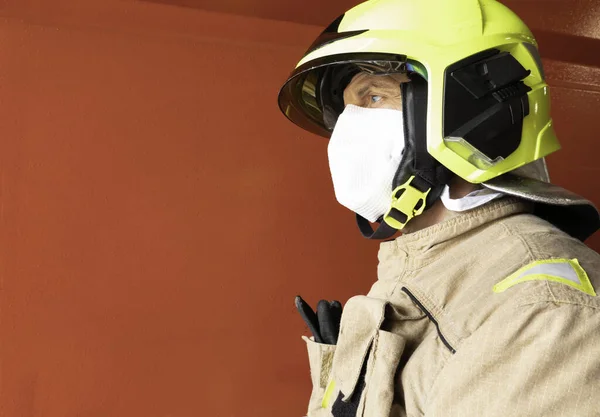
328 392
564 271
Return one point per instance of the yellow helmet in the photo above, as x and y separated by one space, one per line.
477 105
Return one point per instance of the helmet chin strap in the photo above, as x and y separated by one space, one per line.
419 179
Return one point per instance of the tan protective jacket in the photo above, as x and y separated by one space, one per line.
492 313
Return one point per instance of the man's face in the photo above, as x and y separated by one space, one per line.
375 91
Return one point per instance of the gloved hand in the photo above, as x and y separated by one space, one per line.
325 323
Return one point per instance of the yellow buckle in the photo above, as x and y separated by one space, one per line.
405 199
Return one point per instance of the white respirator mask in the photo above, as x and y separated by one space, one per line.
364 152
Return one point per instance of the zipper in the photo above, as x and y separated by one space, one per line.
430 317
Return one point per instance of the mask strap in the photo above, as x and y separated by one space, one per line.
408 201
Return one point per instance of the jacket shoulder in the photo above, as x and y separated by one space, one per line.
472 287
560 267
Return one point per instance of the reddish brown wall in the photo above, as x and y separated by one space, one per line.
158 216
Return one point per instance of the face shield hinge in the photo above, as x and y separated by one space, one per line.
407 202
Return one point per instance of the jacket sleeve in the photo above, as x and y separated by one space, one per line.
537 359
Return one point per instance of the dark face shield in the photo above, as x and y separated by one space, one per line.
312 97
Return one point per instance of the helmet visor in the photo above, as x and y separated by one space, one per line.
312 97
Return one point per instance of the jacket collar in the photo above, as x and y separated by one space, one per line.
420 243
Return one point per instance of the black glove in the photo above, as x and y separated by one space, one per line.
325 323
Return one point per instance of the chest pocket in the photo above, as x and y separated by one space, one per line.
365 362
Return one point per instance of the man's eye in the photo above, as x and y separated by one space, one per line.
375 99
